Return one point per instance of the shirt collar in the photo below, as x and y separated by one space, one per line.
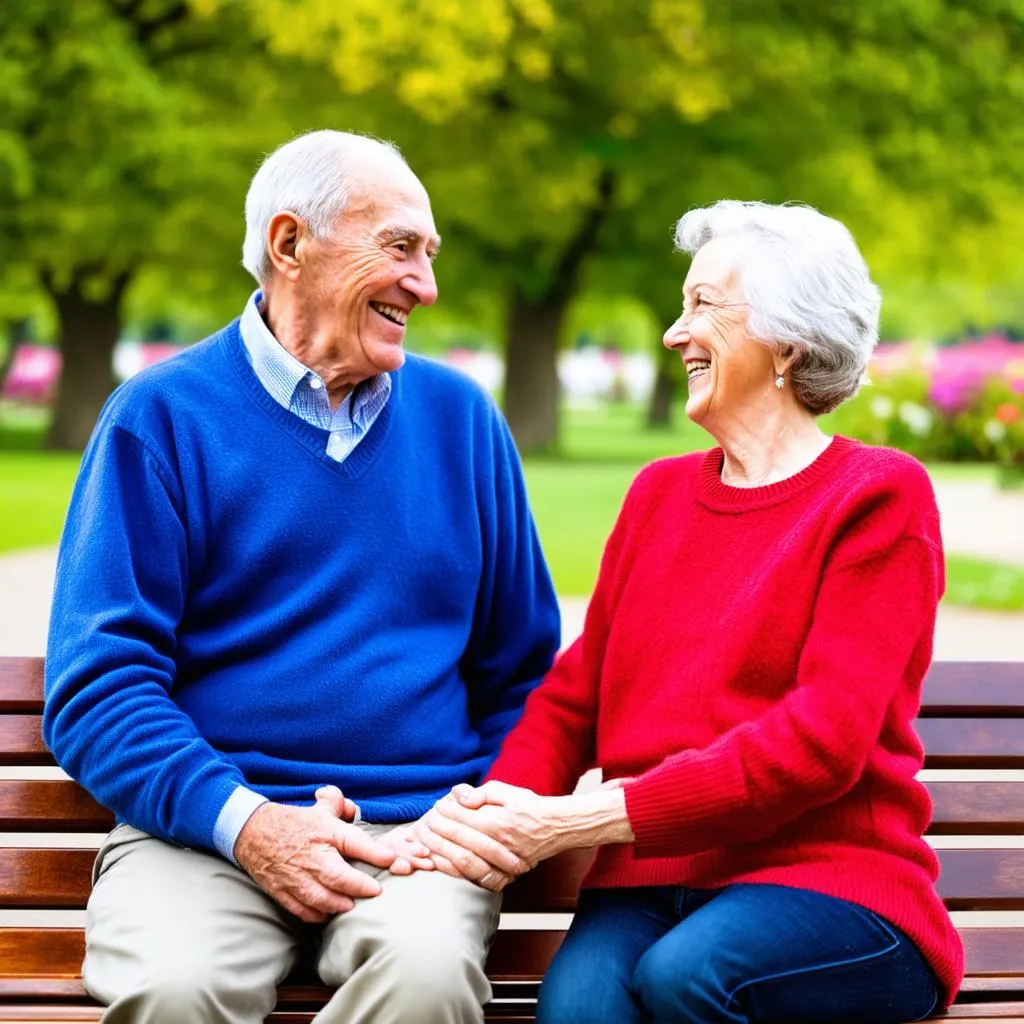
277 369
281 373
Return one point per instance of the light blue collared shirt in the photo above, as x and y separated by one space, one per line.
302 391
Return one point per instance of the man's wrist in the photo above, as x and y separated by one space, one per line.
232 819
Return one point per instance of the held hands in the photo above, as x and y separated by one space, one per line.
297 855
492 834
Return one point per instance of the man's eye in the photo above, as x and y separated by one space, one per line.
402 246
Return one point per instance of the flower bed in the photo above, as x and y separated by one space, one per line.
961 402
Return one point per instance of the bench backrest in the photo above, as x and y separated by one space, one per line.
971 719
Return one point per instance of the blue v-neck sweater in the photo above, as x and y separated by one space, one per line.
232 607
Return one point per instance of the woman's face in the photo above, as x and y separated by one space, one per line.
730 373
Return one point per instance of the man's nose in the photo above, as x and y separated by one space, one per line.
422 284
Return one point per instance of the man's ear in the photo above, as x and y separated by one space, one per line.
283 236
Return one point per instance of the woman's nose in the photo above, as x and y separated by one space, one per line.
678 334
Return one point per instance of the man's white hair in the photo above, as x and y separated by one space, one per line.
807 285
311 176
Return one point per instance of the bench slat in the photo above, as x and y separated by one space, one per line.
1008 1013
982 879
949 742
50 806
972 742
951 689
45 878
960 808
21 741
994 952
977 808
970 880
21 685
966 689
40 963
40 953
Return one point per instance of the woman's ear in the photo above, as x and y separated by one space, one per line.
784 357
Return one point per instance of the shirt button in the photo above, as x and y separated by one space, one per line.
316 383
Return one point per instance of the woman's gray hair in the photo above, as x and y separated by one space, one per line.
311 177
808 287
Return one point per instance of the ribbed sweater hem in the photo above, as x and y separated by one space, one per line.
889 886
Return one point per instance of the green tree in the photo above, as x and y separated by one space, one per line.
559 140
557 136
129 129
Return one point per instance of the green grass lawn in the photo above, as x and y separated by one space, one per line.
575 496
34 492
976 583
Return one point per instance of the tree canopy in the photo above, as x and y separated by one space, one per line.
559 142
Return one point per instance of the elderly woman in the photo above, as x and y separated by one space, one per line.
747 680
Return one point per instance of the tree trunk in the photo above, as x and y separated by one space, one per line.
16 335
534 328
531 371
88 332
666 385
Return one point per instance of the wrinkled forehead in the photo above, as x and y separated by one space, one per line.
390 193
715 266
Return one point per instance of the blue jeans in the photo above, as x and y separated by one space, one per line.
746 953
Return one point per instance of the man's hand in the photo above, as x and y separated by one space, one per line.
297 856
332 800
411 854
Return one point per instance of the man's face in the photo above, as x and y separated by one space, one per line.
359 286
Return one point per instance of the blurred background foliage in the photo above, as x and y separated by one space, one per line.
559 141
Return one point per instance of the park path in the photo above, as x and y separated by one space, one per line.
977 520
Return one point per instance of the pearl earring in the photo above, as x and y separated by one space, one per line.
780 381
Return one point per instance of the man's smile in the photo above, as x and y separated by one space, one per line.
389 312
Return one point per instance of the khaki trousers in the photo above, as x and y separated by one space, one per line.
179 936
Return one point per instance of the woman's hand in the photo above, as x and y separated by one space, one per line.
497 832
507 828
464 844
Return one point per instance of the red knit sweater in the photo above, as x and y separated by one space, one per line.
753 658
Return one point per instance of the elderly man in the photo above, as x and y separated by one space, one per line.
295 559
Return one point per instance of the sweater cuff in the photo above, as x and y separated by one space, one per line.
680 810
232 818
526 777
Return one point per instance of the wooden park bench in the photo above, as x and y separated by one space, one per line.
972 718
